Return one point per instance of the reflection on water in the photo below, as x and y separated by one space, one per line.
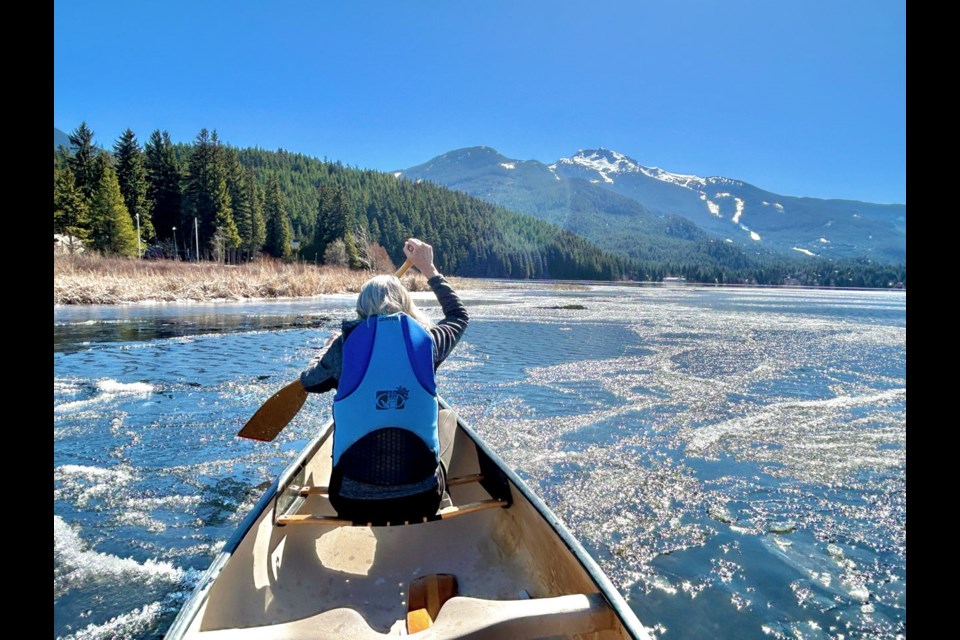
733 458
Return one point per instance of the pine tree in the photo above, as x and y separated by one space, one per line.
197 201
86 162
258 226
353 253
325 226
207 197
336 220
111 229
279 233
133 181
224 224
163 184
71 213
239 197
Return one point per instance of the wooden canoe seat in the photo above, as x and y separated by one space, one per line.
479 619
426 596
292 516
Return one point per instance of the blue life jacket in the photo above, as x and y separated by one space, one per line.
385 444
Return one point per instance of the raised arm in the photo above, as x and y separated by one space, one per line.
447 333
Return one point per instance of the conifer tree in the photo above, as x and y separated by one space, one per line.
131 175
71 213
325 226
163 184
86 162
336 221
258 227
207 197
111 230
279 233
247 201
224 224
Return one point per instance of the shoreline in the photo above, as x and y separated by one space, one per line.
111 281
96 280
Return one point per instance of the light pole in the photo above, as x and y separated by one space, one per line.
196 235
139 254
175 252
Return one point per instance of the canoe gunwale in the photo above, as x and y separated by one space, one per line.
199 595
610 593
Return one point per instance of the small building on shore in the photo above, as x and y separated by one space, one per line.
63 243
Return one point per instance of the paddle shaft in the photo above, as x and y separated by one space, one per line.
277 412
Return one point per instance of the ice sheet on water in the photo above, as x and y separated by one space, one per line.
75 565
127 626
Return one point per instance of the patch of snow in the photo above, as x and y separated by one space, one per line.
688 181
765 203
508 165
397 174
736 216
856 215
778 205
824 241
722 195
722 180
714 208
729 240
755 236
600 161
805 251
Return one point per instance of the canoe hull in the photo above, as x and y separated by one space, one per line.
327 580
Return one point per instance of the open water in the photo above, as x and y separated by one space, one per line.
733 458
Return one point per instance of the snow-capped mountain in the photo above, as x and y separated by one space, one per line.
732 210
610 220
746 214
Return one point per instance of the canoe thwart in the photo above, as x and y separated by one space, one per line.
443 514
480 505
451 482
473 477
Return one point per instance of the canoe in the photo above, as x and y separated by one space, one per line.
495 562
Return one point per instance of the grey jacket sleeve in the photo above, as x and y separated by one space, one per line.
323 372
447 333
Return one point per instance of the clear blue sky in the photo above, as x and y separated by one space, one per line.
802 98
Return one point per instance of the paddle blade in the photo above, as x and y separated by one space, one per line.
275 414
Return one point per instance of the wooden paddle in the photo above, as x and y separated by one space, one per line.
277 412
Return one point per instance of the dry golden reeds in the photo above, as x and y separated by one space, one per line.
93 279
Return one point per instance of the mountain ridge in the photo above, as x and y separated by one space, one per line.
726 208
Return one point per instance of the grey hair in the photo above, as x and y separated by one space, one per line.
383 295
